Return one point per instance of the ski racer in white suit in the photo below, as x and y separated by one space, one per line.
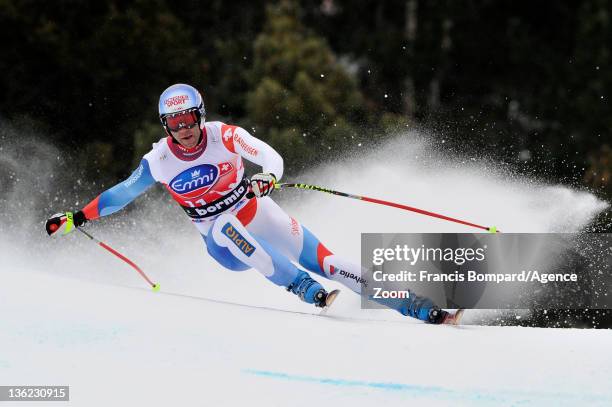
200 164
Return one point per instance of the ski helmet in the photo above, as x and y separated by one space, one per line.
178 100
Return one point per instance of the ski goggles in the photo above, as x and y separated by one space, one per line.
182 120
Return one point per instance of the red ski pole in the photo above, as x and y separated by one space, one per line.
122 257
490 229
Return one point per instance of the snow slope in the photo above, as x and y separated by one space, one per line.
72 314
124 346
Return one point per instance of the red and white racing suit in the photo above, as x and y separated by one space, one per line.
208 181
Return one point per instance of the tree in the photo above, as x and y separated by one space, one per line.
304 102
92 71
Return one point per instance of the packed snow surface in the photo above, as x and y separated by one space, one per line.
72 314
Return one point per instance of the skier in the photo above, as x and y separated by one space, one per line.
200 164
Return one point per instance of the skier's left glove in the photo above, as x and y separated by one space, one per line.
263 184
64 223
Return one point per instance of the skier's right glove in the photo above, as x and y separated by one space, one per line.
64 223
262 184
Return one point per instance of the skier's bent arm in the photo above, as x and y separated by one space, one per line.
117 197
258 152
109 201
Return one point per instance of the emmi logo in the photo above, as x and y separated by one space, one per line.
195 181
239 240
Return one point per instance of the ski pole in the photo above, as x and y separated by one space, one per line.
491 229
122 257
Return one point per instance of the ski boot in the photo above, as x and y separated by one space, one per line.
310 291
424 309
439 316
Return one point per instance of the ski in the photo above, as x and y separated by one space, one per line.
453 319
329 300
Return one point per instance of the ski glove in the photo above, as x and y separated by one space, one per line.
64 223
262 184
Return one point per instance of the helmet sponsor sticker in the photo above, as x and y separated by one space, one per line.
177 103
176 100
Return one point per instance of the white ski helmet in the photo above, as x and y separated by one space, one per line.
180 99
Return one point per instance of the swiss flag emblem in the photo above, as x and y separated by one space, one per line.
224 168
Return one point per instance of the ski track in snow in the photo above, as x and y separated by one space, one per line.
72 314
